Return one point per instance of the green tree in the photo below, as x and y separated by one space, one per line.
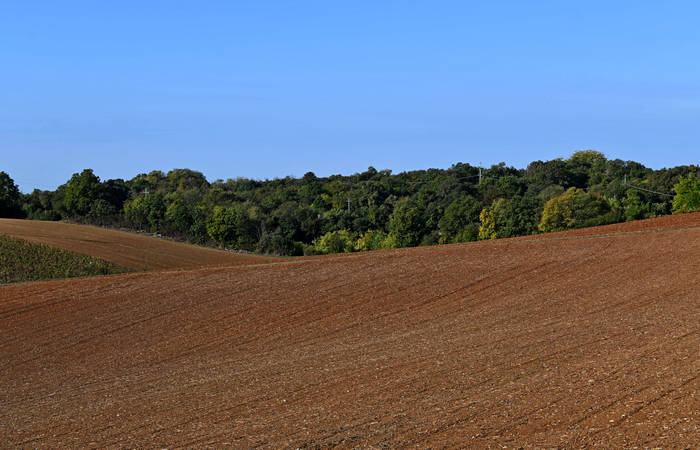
687 198
341 241
81 191
101 212
460 222
584 166
10 198
155 207
115 192
39 206
373 240
178 216
510 217
406 223
575 208
197 232
184 180
634 209
231 227
542 175
135 212
146 210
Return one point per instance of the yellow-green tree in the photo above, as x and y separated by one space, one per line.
511 217
341 241
687 197
373 240
487 230
575 208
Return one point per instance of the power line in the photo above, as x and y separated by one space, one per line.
646 190
460 178
649 190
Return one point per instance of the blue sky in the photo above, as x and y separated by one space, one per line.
266 89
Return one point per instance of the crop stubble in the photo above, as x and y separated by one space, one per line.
563 342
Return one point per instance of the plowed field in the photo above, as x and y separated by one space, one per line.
125 249
572 342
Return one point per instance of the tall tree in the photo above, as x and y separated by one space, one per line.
81 190
10 198
407 224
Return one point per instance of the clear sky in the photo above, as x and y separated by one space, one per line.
266 89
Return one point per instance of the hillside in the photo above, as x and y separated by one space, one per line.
125 249
571 341
27 261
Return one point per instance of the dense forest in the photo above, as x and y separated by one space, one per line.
369 210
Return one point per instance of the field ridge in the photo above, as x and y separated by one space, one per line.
135 251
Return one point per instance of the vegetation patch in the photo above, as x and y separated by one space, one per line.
25 261
370 210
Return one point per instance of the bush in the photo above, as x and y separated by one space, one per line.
341 241
371 240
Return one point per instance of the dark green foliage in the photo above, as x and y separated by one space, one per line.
81 191
38 206
146 211
508 186
541 175
286 216
100 212
634 208
276 244
460 223
511 217
178 216
584 166
231 227
182 180
407 223
10 198
115 192
24 261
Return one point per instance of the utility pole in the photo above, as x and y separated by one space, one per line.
479 172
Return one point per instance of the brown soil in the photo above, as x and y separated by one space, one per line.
664 222
565 342
130 250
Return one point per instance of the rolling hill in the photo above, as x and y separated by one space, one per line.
130 250
566 340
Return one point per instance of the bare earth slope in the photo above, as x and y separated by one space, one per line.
122 248
564 342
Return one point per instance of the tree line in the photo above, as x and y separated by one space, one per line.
369 210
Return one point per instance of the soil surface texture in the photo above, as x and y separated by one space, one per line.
562 340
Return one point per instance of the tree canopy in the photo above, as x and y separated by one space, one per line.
371 210
687 197
10 199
